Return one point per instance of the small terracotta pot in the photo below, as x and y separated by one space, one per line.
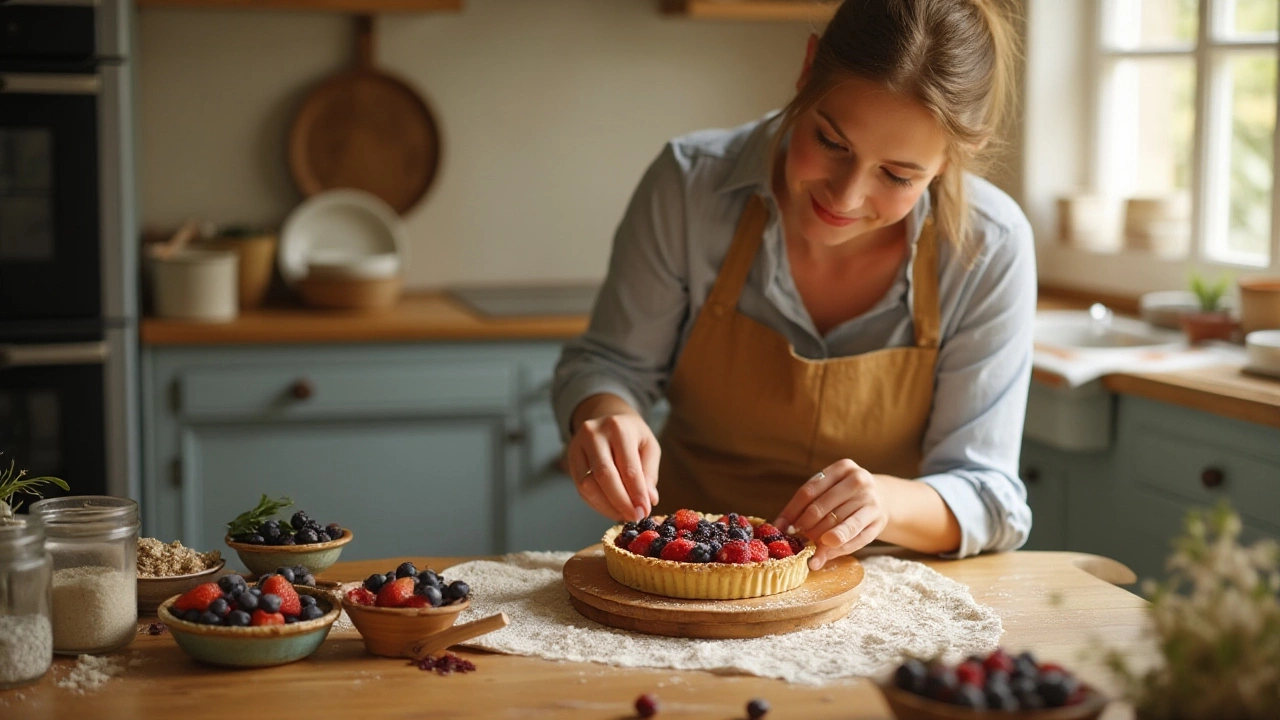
1202 326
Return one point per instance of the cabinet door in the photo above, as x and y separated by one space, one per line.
403 486
1044 471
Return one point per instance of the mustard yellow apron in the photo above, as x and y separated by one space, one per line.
751 421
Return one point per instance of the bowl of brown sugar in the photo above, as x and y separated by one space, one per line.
168 569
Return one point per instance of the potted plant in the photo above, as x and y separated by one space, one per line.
1215 623
1212 322
12 483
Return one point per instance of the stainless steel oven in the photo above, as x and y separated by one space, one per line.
68 244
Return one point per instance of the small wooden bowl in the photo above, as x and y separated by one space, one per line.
350 293
316 557
255 646
909 706
389 631
154 590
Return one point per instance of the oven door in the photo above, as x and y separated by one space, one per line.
50 249
52 415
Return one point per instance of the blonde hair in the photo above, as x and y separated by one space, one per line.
954 57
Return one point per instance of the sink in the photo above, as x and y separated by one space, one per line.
510 301
1077 330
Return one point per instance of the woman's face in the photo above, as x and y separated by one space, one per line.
858 161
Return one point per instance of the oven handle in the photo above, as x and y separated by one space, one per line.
56 354
41 84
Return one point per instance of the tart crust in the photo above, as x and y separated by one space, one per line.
705 581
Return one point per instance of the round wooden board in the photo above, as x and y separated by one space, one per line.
827 595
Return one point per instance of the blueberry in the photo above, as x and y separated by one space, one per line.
256 539
625 538
940 683
256 591
247 601
219 607
1025 665
667 531
1055 688
655 547
701 553
191 615
311 612
239 618
406 569
374 582
391 576
270 602
433 595
306 536
306 600
286 573
757 708
431 578
299 520
458 590
290 619
910 676
969 696
208 618
287 539
307 579
1000 697
230 583
738 533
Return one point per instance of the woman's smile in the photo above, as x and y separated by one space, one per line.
829 217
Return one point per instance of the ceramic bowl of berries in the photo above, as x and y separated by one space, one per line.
395 609
268 544
997 686
233 624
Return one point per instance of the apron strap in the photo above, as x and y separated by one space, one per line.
742 254
925 314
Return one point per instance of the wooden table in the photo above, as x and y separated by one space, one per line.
1056 604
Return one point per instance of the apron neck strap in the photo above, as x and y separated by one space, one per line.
742 254
925 314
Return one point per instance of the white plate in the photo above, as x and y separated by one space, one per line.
339 222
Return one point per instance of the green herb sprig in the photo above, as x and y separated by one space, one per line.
12 482
248 521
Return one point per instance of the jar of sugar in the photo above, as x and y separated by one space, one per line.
26 631
93 541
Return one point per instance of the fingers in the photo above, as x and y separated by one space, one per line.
650 457
609 460
827 553
814 488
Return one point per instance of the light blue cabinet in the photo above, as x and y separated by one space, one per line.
421 449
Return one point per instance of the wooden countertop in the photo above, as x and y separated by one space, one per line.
422 316
1049 603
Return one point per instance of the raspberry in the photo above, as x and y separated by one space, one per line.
646 705
360 596
735 552
677 550
779 549
796 544
757 550
686 519
764 530
640 546
971 673
999 660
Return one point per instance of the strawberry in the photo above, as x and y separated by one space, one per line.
677 550
289 602
686 519
972 673
360 596
417 601
779 549
757 551
735 552
999 660
262 617
395 594
764 530
738 520
198 597
640 545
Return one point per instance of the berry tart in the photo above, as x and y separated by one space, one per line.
706 557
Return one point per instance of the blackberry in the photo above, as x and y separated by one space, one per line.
733 520
287 539
269 529
757 708
1000 697
374 582
647 524
715 547
256 539
625 538
773 538
1054 687
655 547
299 520
307 536
631 527
969 696
910 676
333 530
406 569
701 553
667 531
738 533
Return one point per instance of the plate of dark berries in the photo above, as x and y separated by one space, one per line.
998 685
393 609
265 543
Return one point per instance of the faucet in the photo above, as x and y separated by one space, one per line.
1101 316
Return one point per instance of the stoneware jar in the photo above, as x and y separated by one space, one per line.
93 540
26 629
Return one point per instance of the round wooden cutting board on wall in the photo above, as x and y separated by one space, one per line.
365 129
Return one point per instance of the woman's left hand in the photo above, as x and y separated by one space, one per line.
840 509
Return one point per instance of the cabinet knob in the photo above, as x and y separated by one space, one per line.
517 435
302 389
1212 477
1031 475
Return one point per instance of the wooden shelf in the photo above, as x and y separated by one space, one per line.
785 10
353 6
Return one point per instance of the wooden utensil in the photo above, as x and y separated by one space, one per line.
431 644
365 129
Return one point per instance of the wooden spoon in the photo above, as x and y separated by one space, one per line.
422 647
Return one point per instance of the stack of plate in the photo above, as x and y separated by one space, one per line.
1262 352
344 249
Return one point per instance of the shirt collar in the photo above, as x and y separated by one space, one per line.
752 166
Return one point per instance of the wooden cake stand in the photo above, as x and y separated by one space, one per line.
826 596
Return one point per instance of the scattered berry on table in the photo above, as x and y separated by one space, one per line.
647 705
156 628
445 664
757 708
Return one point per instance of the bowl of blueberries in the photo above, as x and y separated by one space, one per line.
300 540
395 609
999 685
231 623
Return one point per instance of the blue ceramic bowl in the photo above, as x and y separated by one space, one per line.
260 646
317 557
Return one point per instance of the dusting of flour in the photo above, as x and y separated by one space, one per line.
905 608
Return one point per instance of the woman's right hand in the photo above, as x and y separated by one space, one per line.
613 458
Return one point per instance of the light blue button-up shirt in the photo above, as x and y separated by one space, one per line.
668 251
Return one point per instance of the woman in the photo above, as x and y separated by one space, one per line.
837 310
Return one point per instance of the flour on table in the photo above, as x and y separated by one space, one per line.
905 608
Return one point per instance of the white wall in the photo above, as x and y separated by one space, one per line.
549 109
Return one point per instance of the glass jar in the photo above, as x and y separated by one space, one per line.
26 630
93 540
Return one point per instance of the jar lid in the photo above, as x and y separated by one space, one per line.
87 515
20 536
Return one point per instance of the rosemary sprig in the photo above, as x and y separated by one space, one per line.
12 482
248 521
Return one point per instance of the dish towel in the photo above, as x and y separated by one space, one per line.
1079 366
905 608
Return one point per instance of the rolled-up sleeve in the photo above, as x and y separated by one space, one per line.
975 430
643 304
